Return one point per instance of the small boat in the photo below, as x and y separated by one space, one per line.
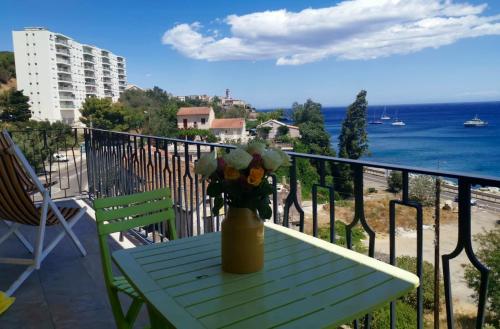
384 115
375 121
398 122
475 122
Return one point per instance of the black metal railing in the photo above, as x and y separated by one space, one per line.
58 158
123 163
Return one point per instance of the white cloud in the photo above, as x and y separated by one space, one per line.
352 30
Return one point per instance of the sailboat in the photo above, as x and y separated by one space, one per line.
398 122
375 121
384 115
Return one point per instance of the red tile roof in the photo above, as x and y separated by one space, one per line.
202 110
228 123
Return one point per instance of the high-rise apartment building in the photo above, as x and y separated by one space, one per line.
58 73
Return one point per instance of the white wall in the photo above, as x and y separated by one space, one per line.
39 75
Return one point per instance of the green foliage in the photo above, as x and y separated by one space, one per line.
423 189
353 142
314 139
163 121
7 66
489 254
103 114
406 317
395 181
235 112
14 106
409 264
282 131
40 139
273 115
372 190
263 132
340 236
310 112
192 133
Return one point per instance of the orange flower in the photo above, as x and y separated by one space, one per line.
255 176
231 173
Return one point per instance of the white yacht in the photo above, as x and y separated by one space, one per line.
384 115
475 122
398 122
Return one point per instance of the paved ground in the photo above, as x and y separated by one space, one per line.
67 292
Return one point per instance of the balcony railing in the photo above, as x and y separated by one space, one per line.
122 163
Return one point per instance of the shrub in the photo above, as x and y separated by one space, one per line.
406 317
489 254
395 181
409 264
340 233
372 190
423 189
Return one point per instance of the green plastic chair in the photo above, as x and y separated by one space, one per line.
118 214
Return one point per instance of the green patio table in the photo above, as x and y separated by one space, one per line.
306 283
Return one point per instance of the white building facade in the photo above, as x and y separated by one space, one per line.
57 73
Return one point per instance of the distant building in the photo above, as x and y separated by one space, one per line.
228 130
195 117
293 131
57 73
225 130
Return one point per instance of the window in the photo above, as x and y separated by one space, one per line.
202 121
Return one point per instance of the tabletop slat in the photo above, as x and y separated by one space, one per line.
305 282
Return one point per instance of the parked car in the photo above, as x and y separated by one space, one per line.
58 157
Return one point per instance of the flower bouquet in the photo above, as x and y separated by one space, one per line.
242 178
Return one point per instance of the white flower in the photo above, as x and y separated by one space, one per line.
272 160
256 148
238 158
206 165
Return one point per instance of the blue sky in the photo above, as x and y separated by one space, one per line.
434 51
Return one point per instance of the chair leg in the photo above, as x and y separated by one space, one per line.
41 235
14 229
133 311
13 287
67 227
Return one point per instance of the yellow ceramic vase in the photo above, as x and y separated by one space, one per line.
242 243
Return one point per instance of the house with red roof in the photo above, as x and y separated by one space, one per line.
226 130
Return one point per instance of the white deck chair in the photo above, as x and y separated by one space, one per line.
17 208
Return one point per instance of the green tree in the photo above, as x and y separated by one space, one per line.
353 142
14 106
489 254
163 121
103 114
423 189
395 181
7 66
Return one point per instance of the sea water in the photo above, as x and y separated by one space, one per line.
434 136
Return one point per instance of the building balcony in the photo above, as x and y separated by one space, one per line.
88 51
62 60
90 82
121 65
66 104
61 41
88 59
64 78
89 74
110 163
62 51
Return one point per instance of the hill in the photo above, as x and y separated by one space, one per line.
7 70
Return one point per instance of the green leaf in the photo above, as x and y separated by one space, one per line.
218 203
265 211
214 189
